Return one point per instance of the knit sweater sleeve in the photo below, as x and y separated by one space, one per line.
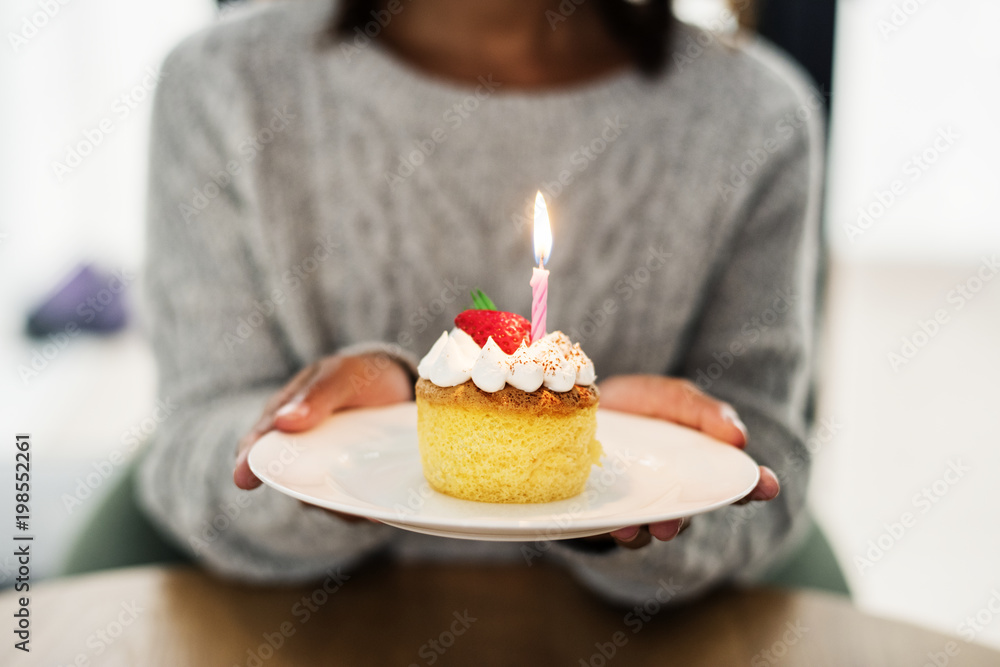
220 356
752 348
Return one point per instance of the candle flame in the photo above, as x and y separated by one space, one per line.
543 232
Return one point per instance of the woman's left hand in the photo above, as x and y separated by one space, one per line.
678 401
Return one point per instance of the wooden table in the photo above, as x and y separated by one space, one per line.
447 615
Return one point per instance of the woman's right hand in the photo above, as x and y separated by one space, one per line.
333 383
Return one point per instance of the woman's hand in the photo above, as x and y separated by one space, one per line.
681 402
333 383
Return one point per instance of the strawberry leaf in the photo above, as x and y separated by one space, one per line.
481 301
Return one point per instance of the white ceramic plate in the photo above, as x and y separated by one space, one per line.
365 462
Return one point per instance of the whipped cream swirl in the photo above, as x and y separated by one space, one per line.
552 361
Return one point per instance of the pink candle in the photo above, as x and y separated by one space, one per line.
539 276
539 301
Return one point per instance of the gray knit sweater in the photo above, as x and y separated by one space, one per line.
306 200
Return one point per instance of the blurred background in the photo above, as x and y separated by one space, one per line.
907 449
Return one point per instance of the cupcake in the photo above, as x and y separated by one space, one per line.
501 419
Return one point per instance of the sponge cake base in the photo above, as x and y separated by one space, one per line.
508 446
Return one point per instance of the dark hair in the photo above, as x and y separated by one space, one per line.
642 29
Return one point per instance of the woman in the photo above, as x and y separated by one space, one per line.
323 176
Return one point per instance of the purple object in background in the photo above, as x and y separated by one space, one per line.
91 298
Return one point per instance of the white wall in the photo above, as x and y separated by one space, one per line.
64 67
910 73
902 80
68 75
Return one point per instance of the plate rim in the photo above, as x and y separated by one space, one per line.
542 528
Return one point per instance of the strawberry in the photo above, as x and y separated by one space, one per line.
509 330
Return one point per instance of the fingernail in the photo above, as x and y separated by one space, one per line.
625 536
657 531
247 479
729 414
292 410
758 494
